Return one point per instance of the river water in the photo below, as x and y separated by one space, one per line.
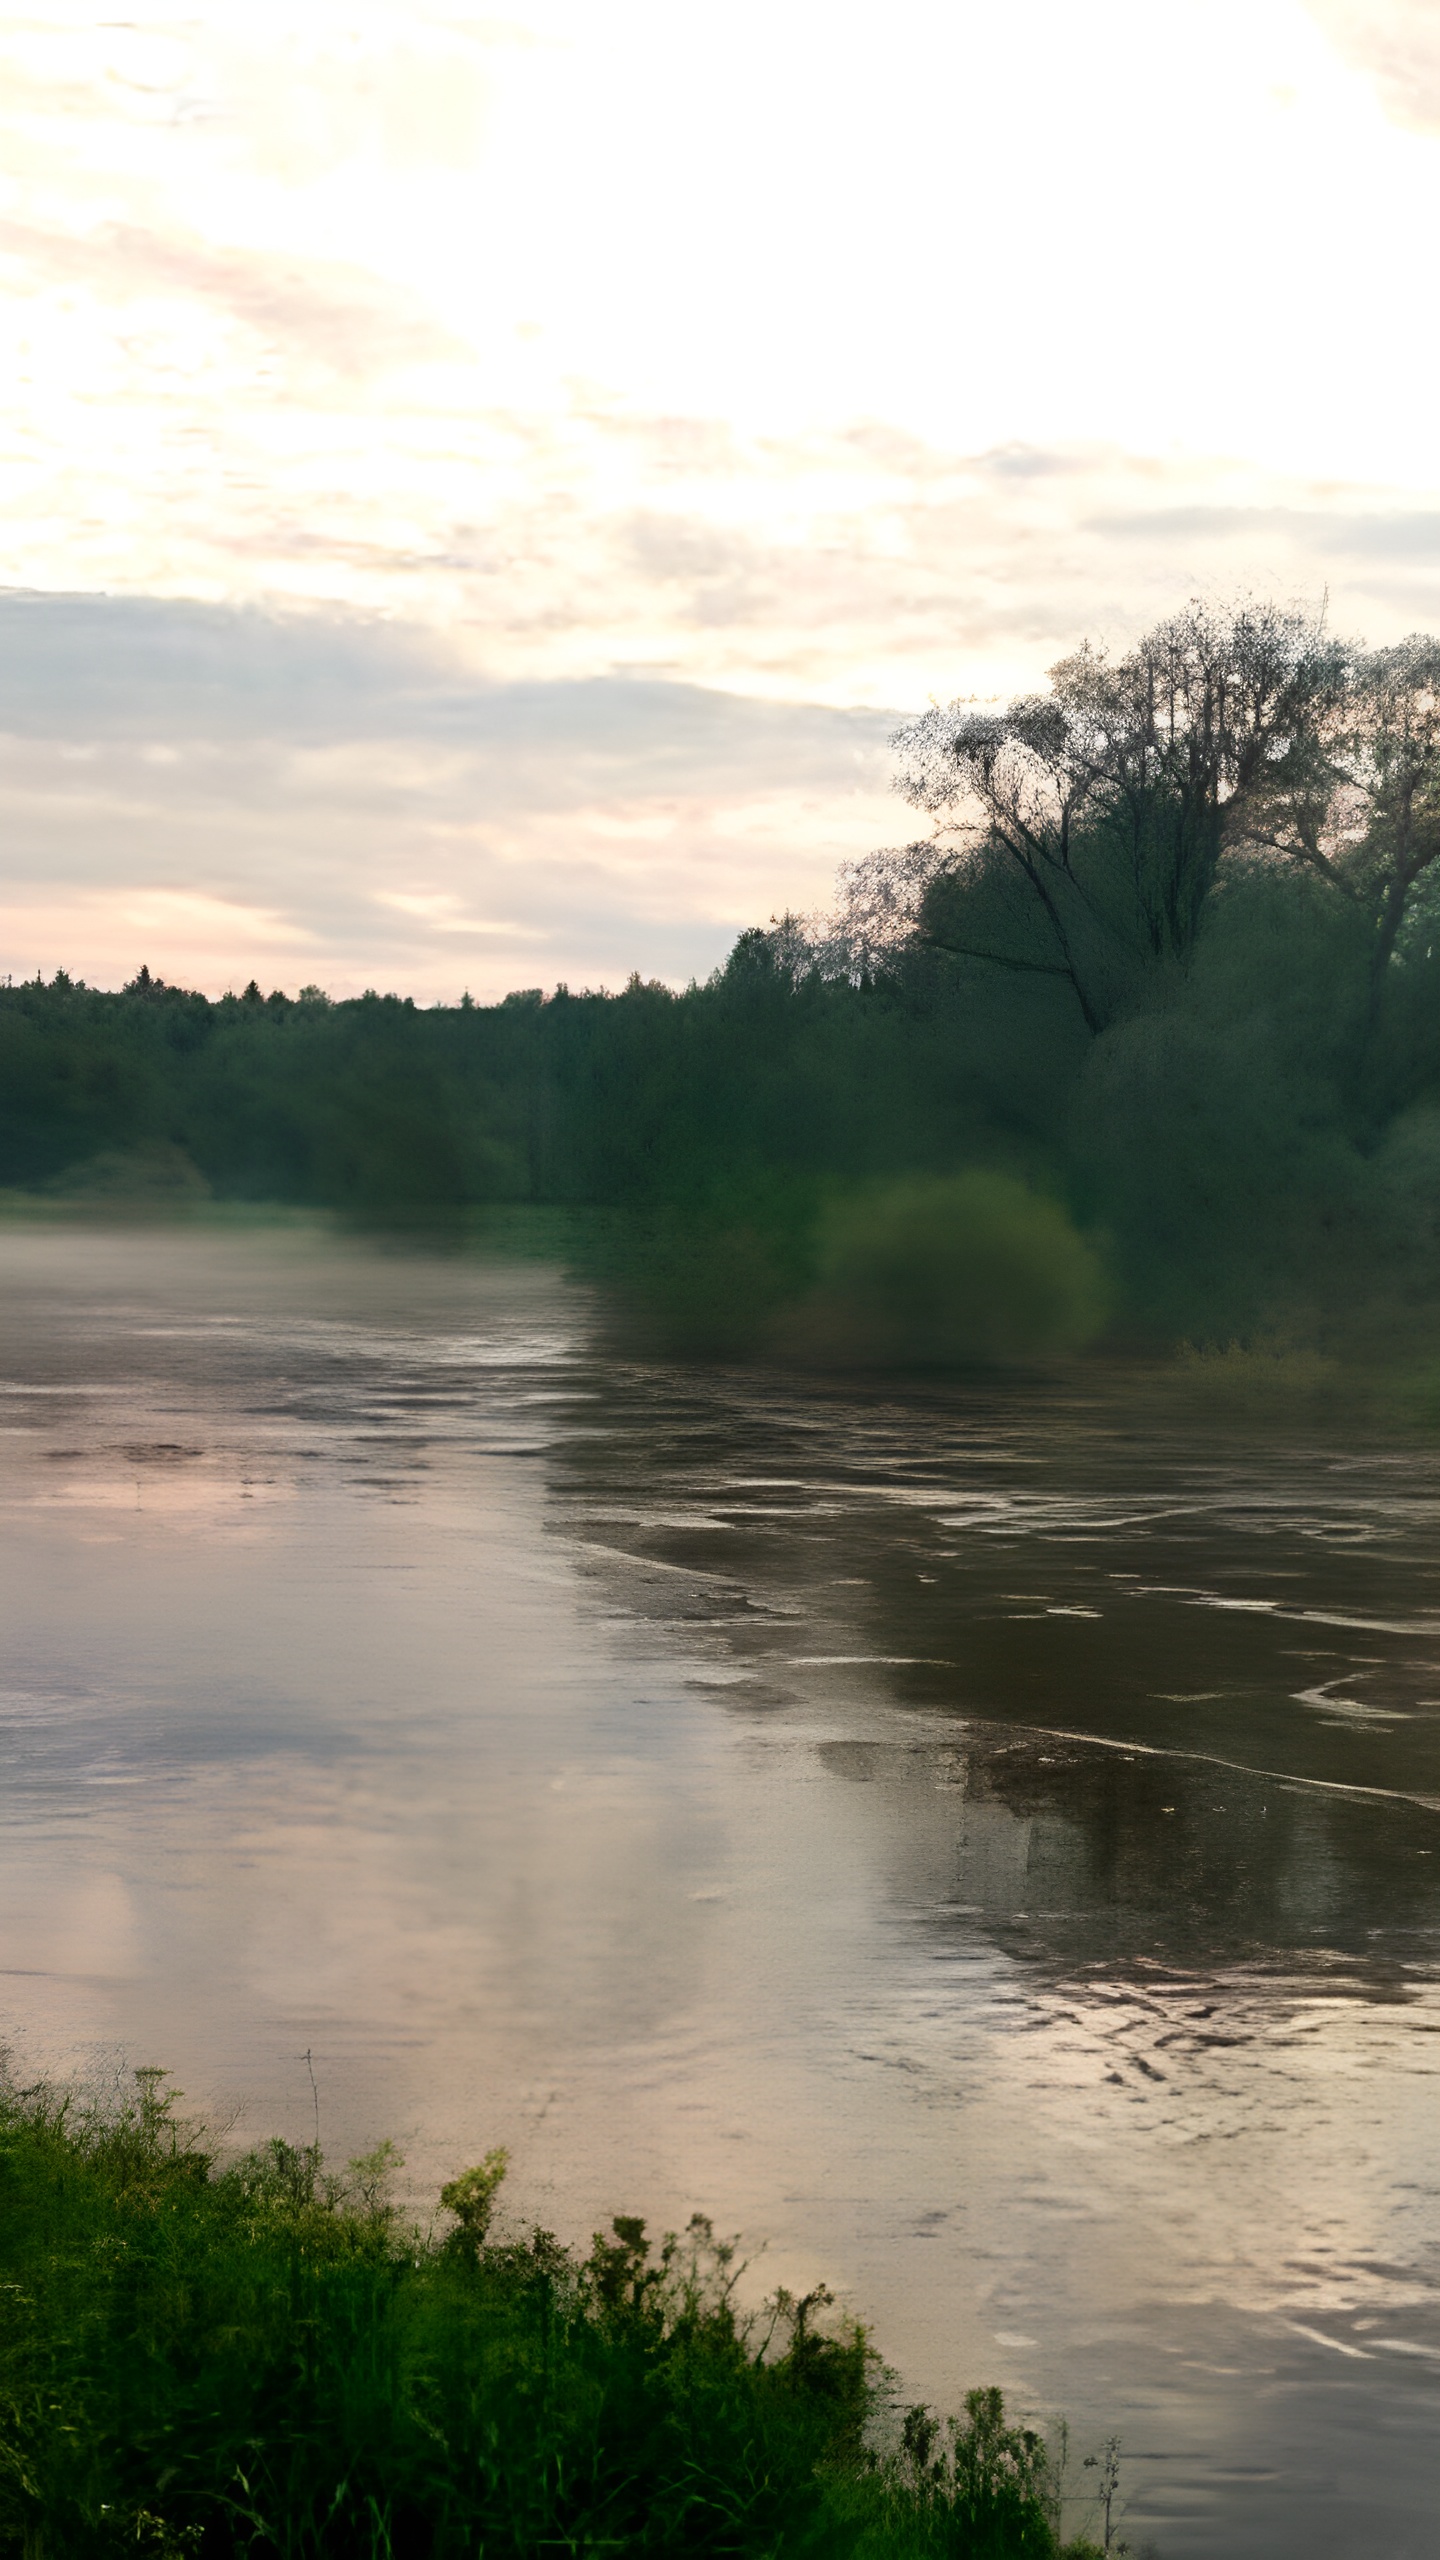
984 1844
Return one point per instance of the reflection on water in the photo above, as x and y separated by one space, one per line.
986 1842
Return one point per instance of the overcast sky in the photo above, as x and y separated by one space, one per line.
477 485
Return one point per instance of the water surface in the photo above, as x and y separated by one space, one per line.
984 1843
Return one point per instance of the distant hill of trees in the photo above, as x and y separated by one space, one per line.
1168 964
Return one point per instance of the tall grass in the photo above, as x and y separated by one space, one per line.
259 2358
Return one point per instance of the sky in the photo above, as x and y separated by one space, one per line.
479 486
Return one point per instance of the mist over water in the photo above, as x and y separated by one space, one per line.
983 1841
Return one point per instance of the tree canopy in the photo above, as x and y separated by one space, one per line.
1080 834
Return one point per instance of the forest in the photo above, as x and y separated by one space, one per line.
1138 1043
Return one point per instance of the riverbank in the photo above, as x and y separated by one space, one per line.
258 2355
1373 1380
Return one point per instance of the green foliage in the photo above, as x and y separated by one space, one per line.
976 2486
471 2197
954 1272
261 2359
1246 1145
706 1276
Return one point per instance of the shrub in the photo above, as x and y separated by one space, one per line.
968 1270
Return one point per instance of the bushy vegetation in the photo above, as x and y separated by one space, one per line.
1147 1029
257 2358
945 1272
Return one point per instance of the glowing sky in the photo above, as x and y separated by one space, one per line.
477 486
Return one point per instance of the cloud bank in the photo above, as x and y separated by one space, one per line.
1396 43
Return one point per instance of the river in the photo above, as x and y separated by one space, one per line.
982 1843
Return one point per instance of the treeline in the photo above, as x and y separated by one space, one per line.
1144 1038
376 1104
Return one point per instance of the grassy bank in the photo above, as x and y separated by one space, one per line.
260 2358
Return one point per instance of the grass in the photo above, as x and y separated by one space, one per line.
259 2358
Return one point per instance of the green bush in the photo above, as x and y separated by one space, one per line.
260 2359
970 1270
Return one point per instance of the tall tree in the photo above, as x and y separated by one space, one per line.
1077 834
1362 809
